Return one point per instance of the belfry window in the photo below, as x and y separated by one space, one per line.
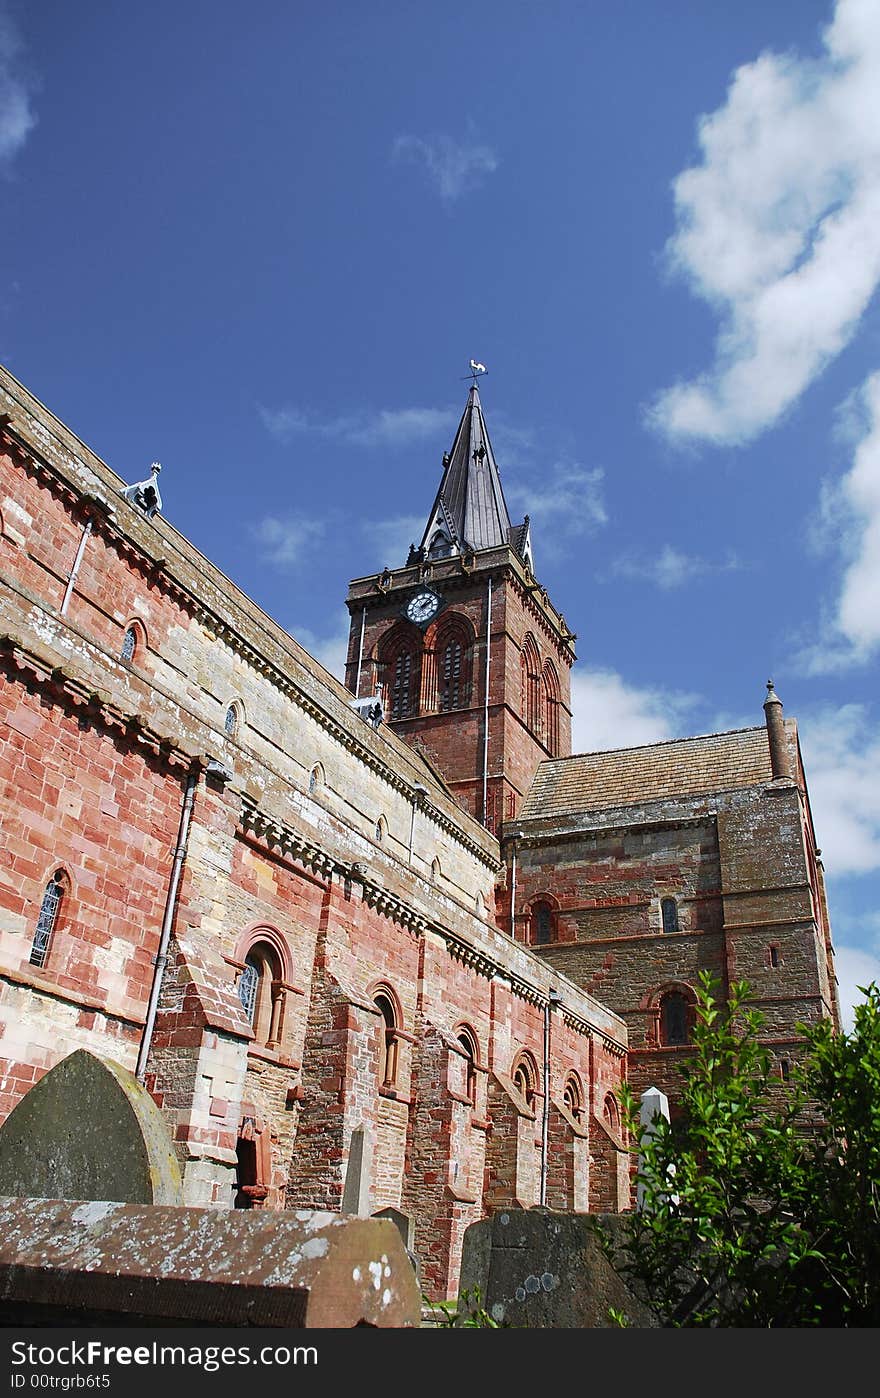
129 644
669 914
47 919
402 685
454 656
230 722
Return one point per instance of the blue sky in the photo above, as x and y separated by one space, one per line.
261 246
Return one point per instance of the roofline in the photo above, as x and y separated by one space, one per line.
663 743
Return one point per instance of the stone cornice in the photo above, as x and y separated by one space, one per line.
548 834
97 703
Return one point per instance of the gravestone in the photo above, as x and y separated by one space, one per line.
88 1130
107 1264
356 1190
406 1227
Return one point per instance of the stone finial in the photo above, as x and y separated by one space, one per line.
780 762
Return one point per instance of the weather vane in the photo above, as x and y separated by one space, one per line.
477 370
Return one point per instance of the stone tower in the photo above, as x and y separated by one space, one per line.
471 659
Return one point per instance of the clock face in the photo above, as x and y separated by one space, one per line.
422 607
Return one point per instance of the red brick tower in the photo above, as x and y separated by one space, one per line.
470 657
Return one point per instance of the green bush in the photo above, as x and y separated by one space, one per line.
756 1211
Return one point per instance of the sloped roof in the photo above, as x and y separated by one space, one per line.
470 493
630 776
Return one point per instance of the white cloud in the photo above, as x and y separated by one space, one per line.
389 539
609 713
848 521
568 502
17 118
841 750
671 568
286 542
452 167
395 427
331 649
401 426
284 423
778 228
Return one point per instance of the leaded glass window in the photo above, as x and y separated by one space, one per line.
230 723
46 921
129 642
674 1019
669 913
248 986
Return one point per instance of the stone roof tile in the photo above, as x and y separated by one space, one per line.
631 776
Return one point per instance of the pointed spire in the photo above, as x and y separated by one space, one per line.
469 510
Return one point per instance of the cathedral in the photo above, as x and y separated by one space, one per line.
391 928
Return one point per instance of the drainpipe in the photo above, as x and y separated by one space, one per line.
93 502
357 683
167 921
75 569
419 792
515 837
552 999
486 706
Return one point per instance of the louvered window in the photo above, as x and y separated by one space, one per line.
450 677
401 693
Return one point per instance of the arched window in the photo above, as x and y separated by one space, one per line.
674 1018
440 546
129 643
525 1079
669 914
454 652
611 1113
436 871
532 689
261 991
316 778
47 920
573 1096
231 721
541 924
468 1045
400 667
381 829
550 698
248 986
388 1059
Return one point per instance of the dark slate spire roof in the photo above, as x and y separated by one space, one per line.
470 508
